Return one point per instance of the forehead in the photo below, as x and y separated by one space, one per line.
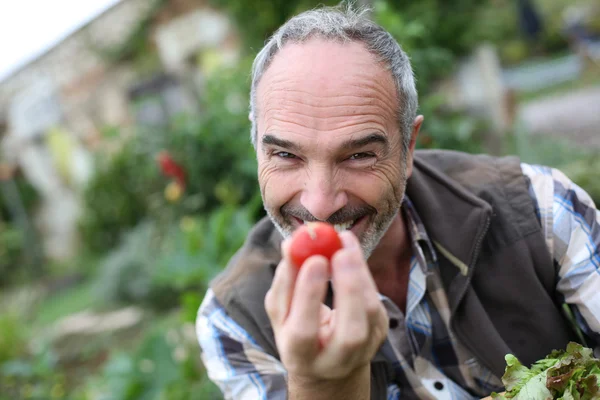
318 55
325 73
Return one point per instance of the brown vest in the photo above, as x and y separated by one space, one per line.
499 276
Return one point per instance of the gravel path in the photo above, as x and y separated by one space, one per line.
575 116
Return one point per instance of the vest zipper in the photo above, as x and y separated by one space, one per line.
476 251
478 244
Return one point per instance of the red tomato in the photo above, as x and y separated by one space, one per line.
314 238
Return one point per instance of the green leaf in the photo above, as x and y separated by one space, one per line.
544 364
571 374
578 351
516 374
571 393
535 388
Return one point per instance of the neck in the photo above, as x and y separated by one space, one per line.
392 255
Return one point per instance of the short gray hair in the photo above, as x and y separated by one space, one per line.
344 23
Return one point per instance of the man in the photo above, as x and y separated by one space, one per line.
450 261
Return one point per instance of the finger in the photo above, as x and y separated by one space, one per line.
349 240
349 275
325 314
279 296
304 319
372 301
351 243
326 325
357 298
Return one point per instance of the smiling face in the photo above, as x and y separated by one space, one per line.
329 146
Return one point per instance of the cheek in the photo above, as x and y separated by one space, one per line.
277 187
377 187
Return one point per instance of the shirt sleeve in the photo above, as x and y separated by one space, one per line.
233 360
571 226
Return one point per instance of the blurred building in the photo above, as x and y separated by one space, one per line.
139 62
103 73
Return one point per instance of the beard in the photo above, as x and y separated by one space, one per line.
374 226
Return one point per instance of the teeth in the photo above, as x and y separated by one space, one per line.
344 226
339 227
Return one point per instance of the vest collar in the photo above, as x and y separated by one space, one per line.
456 220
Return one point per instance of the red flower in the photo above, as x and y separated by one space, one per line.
170 168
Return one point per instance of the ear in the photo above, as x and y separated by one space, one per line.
413 142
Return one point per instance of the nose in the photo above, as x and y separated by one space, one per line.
321 195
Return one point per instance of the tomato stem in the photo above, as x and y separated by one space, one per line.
310 227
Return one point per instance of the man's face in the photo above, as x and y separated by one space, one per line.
328 143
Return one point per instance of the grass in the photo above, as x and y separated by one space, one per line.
72 300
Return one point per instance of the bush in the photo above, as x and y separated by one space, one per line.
18 252
11 253
199 248
213 149
26 373
117 197
433 58
28 196
164 366
256 20
154 265
126 274
13 338
586 173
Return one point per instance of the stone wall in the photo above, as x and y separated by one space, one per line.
74 67
76 87
91 91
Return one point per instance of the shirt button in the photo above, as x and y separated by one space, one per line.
393 323
438 385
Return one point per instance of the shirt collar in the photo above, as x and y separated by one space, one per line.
418 233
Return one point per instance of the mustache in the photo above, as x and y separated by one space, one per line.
340 216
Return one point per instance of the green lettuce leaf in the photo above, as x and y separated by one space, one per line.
515 376
535 388
571 374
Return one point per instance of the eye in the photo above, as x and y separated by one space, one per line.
360 156
284 154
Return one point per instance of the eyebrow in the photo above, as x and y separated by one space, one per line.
275 141
353 144
372 138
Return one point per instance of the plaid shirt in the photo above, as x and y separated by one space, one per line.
430 363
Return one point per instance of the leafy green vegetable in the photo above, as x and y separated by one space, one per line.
571 374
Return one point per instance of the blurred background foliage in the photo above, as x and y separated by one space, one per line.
211 147
149 243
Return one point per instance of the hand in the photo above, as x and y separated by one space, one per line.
317 343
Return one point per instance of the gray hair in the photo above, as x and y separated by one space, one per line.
344 23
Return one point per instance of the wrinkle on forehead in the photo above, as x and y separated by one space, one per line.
326 85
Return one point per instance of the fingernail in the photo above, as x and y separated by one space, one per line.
348 240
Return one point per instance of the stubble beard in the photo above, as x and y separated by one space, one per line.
369 238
